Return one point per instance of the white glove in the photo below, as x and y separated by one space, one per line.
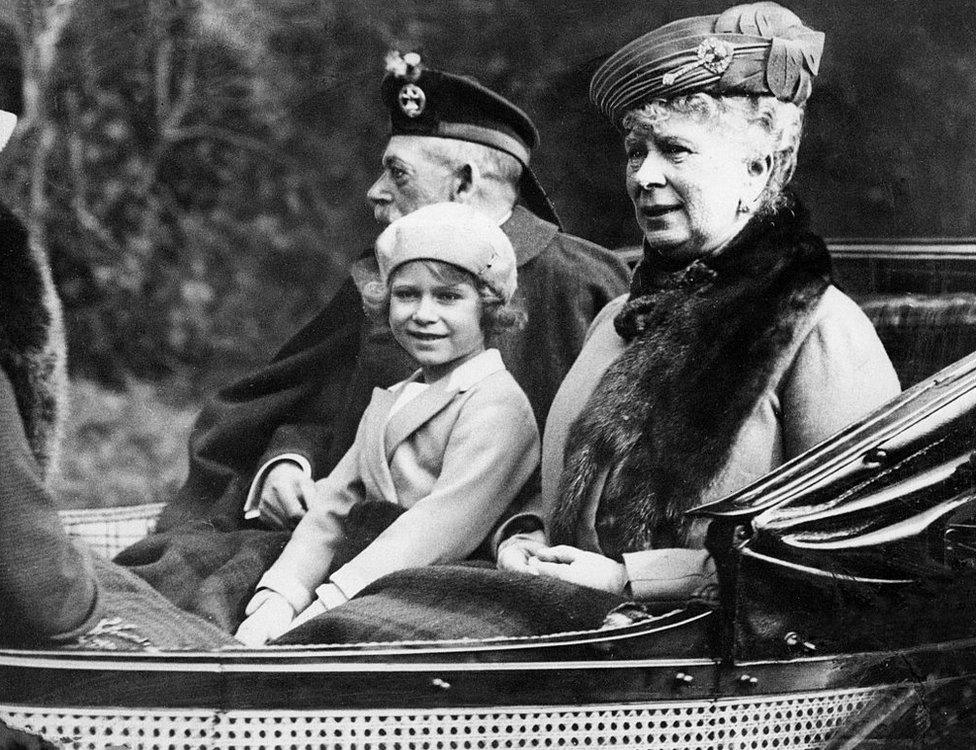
269 615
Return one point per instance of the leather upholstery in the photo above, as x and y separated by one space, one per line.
923 333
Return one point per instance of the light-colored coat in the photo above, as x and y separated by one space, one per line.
834 371
454 456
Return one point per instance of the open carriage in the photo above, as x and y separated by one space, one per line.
846 615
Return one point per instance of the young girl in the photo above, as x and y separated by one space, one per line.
453 444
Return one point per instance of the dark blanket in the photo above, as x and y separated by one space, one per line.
212 574
207 573
135 617
446 602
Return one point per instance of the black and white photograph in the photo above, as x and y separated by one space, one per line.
487 374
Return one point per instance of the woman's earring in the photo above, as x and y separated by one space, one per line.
743 207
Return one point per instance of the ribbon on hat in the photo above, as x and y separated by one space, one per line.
784 70
793 48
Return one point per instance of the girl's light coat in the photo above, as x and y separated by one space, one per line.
455 456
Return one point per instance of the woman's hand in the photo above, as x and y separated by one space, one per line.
285 495
269 615
516 554
580 567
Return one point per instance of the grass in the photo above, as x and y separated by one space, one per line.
122 447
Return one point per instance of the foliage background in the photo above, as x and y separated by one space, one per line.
195 168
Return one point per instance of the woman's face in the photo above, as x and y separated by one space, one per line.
687 177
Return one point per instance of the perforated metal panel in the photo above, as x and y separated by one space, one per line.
115 727
805 721
108 531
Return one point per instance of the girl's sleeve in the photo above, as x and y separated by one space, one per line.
305 560
47 585
491 452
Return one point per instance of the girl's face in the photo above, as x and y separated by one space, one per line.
687 178
435 317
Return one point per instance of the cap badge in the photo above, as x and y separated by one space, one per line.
715 55
412 100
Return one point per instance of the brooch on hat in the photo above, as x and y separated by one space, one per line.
411 97
715 55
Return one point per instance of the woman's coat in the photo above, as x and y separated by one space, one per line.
735 365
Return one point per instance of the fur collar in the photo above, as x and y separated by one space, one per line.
32 349
703 344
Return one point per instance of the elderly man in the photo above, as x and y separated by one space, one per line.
256 449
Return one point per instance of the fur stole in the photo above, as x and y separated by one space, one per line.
704 342
32 348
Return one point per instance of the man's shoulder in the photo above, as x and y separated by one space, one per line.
572 243
539 242
566 254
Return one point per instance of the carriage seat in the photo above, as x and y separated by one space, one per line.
923 333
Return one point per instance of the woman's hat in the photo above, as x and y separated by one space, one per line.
428 102
452 233
758 48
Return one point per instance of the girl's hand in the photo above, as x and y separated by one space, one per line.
516 554
328 597
285 495
314 609
269 615
580 567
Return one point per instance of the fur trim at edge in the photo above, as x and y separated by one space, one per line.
704 343
32 347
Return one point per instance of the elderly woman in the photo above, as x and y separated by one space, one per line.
733 351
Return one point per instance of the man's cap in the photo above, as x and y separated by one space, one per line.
433 103
757 48
451 233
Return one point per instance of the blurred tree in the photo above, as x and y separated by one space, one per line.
195 168
179 224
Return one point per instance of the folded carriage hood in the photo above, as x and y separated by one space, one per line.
901 471
865 543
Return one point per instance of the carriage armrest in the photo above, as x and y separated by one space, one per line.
923 333
108 531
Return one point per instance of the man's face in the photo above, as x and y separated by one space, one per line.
410 179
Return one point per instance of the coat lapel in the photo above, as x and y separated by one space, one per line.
416 412
529 234
374 459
